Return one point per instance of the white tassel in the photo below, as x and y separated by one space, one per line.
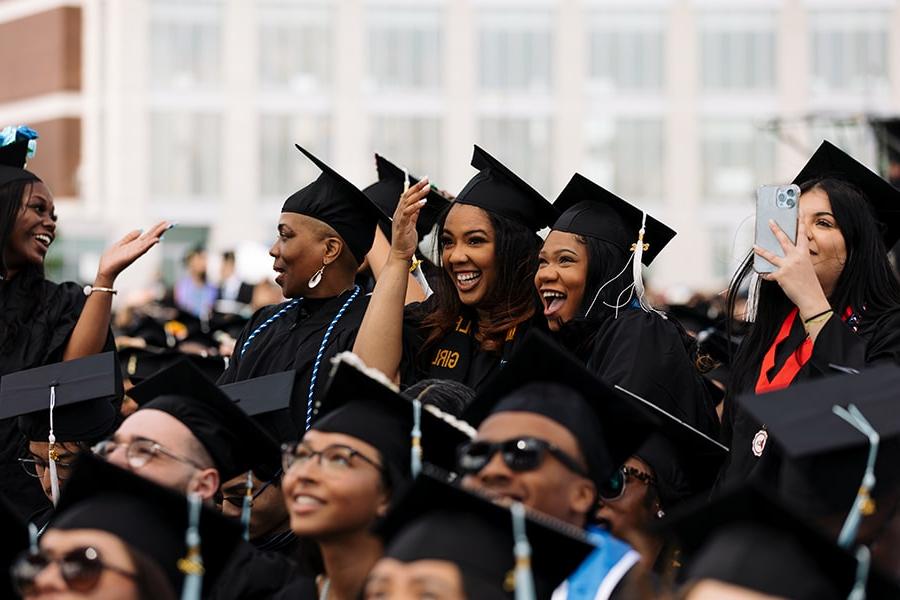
51 452
416 435
752 298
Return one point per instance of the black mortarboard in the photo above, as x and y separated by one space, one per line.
234 441
386 192
146 516
439 521
828 455
337 202
139 364
14 155
87 395
685 460
746 538
884 198
498 190
355 404
542 378
267 400
588 209
15 540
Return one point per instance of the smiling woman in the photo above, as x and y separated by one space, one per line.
43 322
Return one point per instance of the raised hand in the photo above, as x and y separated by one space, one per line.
121 254
796 274
404 238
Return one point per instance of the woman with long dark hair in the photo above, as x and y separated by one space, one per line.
483 301
832 305
43 322
589 279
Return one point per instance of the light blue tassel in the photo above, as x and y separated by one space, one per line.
862 574
33 535
247 506
522 550
192 564
863 504
415 466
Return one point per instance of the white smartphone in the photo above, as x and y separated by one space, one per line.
779 203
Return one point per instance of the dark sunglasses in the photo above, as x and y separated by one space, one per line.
614 488
519 454
238 499
80 569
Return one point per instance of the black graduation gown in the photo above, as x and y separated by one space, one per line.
457 356
876 340
645 354
254 575
292 342
42 341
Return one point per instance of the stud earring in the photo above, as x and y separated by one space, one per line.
660 513
316 278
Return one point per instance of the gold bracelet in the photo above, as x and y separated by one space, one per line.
818 319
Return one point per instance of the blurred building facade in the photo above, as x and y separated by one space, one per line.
188 109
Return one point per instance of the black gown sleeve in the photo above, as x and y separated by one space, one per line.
837 344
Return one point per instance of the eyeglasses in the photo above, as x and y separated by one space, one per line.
614 488
139 452
238 499
36 466
336 458
80 569
519 454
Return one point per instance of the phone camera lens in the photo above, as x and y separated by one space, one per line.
790 203
782 197
790 192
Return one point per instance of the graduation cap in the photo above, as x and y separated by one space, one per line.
386 192
829 456
234 441
337 202
498 190
139 364
439 521
588 209
356 404
72 401
746 538
150 518
544 379
685 460
15 540
267 399
884 198
18 144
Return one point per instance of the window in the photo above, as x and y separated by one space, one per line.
736 158
625 52
849 51
522 144
185 45
413 142
515 51
856 139
404 50
295 46
737 52
74 258
729 243
185 154
284 170
626 156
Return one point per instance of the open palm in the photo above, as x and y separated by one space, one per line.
121 254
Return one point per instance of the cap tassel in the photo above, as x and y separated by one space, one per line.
862 574
52 453
33 535
522 551
247 506
192 564
863 505
415 458
752 298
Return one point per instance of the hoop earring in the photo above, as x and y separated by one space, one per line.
316 279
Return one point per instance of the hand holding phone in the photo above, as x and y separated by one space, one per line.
778 203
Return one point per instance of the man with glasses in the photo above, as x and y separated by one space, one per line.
551 435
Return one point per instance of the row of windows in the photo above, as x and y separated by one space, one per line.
515 50
627 155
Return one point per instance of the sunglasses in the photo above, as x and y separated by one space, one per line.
238 499
80 569
614 488
519 454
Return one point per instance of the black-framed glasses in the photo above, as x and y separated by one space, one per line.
36 467
335 458
140 451
238 499
80 569
614 488
520 454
